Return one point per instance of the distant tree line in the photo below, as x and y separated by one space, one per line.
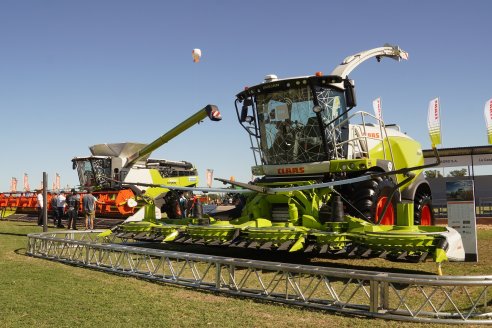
431 174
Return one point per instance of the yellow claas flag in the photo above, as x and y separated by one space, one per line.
487 111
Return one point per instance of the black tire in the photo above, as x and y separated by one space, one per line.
367 194
424 214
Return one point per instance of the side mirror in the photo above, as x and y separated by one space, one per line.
74 165
244 113
244 110
349 93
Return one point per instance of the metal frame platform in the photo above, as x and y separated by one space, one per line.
405 297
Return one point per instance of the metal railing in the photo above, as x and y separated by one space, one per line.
417 298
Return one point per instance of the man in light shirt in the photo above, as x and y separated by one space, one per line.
60 208
39 205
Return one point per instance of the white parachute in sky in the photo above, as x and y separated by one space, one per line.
196 53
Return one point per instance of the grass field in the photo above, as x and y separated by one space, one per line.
41 293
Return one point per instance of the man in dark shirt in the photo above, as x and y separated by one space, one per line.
73 203
54 213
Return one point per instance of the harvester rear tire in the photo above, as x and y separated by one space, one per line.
369 198
424 214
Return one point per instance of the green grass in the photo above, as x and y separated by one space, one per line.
41 293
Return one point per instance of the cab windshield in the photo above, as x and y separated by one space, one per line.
93 170
289 128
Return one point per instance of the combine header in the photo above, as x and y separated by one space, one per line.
17 202
331 180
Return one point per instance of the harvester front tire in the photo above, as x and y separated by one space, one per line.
370 197
424 214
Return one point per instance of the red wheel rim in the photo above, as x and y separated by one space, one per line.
389 215
426 216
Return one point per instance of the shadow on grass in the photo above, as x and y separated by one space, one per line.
13 234
205 291
20 251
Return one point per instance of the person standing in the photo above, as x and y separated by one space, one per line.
53 201
39 205
61 203
89 206
183 205
73 203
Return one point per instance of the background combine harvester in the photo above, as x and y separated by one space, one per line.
113 163
121 162
332 181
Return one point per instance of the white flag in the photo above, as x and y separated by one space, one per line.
434 122
210 176
376 105
487 111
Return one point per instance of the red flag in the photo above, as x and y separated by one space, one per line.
26 183
57 182
13 185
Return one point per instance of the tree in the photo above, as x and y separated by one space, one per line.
431 174
458 173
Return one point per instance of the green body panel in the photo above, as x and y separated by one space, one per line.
351 165
277 234
7 212
333 240
153 192
142 226
310 222
405 214
406 153
210 233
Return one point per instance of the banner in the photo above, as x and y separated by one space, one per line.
210 177
487 111
376 105
462 160
434 122
57 182
461 215
26 183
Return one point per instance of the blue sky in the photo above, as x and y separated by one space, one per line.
78 73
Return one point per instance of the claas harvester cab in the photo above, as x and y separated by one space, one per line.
303 129
330 180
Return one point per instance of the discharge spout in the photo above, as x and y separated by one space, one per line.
210 110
